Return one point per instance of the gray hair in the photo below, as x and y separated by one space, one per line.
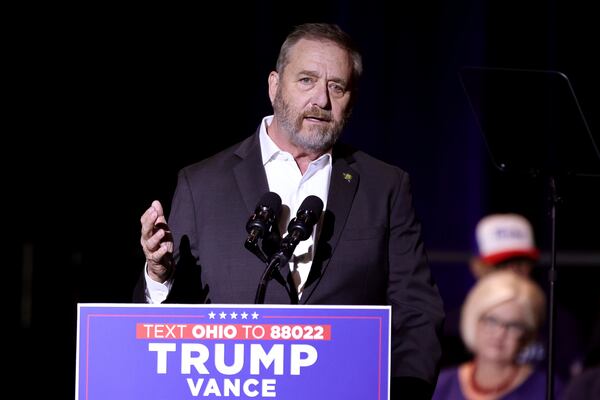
322 32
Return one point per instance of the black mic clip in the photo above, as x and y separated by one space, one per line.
261 222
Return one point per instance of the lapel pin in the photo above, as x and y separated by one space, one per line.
347 176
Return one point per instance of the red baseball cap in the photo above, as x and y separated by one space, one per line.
504 236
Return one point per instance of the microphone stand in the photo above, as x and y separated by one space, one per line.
272 265
552 276
271 271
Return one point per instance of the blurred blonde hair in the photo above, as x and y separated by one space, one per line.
496 288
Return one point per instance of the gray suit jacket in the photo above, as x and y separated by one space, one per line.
369 252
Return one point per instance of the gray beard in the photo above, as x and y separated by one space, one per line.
317 139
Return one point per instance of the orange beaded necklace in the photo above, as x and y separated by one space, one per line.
498 388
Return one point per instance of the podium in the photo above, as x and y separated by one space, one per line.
142 351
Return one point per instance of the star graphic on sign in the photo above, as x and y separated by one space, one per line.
254 315
211 315
222 315
233 315
244 315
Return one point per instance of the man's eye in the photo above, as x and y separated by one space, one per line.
337 89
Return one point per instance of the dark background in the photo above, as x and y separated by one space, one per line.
104 105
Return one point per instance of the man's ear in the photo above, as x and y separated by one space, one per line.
273 85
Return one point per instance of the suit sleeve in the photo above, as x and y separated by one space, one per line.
417 308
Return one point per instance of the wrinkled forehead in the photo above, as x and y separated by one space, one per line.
322 56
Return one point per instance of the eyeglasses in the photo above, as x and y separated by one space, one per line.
513 328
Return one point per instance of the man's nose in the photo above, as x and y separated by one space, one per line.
321 95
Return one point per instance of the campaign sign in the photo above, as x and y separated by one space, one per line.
181 352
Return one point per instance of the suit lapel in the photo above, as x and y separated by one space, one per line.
249 172
342 189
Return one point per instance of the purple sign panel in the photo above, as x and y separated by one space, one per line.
181 352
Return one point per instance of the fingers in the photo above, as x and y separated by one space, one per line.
158 207
157 242
159 211
152 244
150 218
160 263
155 233
158 256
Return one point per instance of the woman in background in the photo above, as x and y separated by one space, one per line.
502 313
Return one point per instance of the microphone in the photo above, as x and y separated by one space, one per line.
261 221
300 228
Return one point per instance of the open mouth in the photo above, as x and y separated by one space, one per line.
319 117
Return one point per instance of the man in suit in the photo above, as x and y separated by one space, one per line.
366 249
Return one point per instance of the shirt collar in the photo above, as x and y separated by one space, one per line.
269 149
